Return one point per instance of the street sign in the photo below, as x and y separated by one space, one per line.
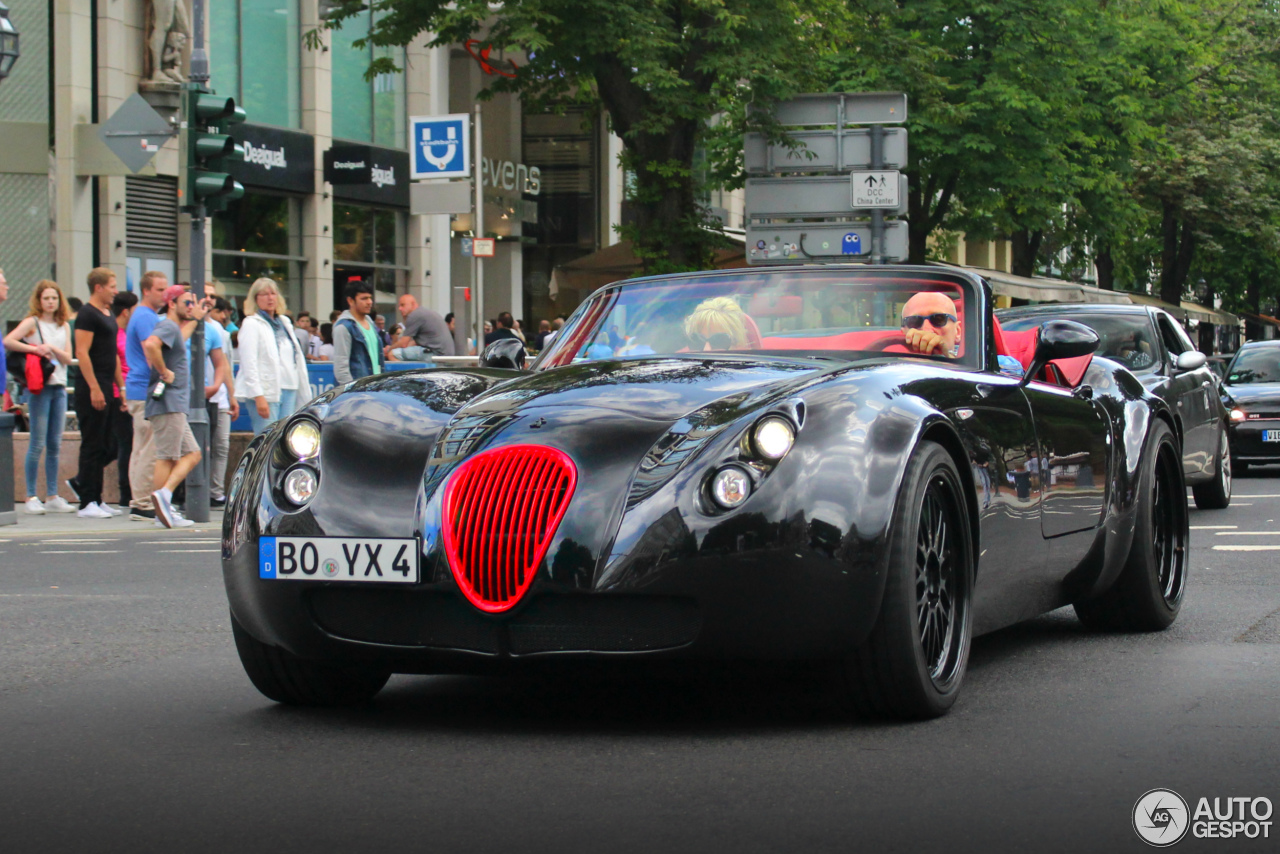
880 189
135 132
440 197
466 247
824 242
843 108
483 247
440 146
812 196
824 151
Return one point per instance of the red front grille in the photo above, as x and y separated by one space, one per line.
501 509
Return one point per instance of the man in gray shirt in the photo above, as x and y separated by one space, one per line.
166 408
425 333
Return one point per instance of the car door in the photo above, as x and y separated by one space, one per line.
1189 393
1074 457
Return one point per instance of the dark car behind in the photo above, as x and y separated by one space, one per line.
1251 393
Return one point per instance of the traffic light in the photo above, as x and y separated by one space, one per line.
207 149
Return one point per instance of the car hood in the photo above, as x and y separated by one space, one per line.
1254 393
659 389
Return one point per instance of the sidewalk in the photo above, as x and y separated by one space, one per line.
55 524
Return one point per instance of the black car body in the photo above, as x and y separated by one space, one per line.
1153 345
1251 393
570 510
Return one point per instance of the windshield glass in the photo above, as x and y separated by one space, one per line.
789 313
1255 366
1128 339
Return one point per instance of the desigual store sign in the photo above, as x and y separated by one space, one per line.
368 173
275 158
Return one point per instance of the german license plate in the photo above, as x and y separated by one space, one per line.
363 559
1271 435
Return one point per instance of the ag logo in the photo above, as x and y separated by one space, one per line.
1161 818
329 567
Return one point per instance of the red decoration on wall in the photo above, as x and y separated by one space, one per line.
483 59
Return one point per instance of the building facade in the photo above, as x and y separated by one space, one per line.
553 188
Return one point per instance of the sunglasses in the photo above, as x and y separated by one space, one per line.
718 340
937 320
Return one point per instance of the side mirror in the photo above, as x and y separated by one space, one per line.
1060 339
1190 360
504 353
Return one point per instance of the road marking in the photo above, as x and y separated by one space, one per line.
177 542
1247 534
1246 548
1212 527
188 551
1268 495
81 552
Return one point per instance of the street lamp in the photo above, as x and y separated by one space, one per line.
8 42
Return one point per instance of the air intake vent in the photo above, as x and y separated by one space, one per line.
501 509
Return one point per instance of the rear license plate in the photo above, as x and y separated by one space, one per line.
364 559
1271 435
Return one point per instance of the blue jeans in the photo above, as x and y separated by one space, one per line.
413 354
276 411
47 412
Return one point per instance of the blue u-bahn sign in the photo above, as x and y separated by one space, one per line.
440 146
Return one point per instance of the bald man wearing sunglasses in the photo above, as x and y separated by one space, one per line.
930 325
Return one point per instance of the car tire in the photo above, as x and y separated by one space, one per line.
913 663
1148 594
1216 494
288 679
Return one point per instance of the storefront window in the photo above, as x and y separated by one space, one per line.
254 56
371 111
368 245
258 236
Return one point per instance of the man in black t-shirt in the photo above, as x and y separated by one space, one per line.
96 399
505 324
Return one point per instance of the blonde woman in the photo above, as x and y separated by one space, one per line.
718 323
46 333
273 379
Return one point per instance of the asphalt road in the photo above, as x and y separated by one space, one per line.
126 724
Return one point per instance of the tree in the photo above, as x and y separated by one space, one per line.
663 69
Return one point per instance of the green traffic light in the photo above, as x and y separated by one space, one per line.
216 110
211 146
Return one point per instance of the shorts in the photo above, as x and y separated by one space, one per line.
172 436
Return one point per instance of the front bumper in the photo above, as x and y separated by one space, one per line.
1245 438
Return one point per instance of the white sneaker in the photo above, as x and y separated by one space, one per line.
34 507
180 521
93 512
164 510
110 510
58 504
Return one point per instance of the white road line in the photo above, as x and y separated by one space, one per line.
1246 548
1247 534
1268 495
1212 527
81 552
177 542
188 551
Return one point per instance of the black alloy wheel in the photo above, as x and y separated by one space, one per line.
912 664
1148 593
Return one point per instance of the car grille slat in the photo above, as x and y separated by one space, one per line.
501 510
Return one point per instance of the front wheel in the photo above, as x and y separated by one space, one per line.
288 679
1148 594
1216 494
913 663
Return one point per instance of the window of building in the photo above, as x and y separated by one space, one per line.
254 56
371 110
256 236
368 244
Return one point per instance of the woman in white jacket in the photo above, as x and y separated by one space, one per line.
273 378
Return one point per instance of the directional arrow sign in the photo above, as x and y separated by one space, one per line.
135 132
874 189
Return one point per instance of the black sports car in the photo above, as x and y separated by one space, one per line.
1251 392
1151 343
748 464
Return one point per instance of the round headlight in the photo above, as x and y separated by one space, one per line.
730 487
303 439
300 485
1238 415
773 437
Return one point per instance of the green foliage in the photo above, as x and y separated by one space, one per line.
663 69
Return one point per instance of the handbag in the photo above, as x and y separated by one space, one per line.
37 369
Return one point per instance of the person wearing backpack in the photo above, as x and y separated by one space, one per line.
46 334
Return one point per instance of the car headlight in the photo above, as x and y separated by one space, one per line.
772 437
730 487
303 439
1238 415
300 485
